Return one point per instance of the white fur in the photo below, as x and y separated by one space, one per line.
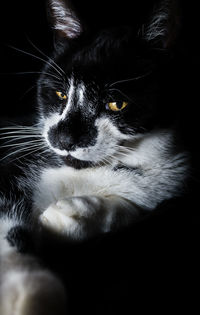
69 99
81 92
78 218
65 196
25 287
30 292
5 226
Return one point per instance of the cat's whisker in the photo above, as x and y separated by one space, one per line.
118 146
16 138
124 95
18 127
103 161
27 91
124 155
36 72
22 156
42 53
20 130
23 139
18 135
22 144
107 160
125 151
13 125
20 150
29 146
115 157
131 79
38 58
46 150
121 155
21 136
23 128
128 149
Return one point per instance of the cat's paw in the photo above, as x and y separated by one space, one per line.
75 218
30 293
64 218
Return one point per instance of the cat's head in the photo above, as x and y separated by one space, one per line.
99 91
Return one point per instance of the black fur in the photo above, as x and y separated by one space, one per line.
99 61
21 238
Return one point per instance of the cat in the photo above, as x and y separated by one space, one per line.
105 151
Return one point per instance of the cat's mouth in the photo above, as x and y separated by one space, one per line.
69 160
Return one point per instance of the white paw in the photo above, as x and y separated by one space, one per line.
62 218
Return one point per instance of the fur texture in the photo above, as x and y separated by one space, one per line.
104 153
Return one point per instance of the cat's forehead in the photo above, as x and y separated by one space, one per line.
102 59
83 86
81 93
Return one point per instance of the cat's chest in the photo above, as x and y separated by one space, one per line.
59 183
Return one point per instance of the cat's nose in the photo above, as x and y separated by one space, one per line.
61 139
66 142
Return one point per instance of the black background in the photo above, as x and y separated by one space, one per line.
156 265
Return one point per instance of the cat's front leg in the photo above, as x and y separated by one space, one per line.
79 218
26 286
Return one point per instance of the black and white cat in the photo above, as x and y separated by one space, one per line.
107 151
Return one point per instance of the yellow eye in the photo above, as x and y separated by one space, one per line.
116 106
61 95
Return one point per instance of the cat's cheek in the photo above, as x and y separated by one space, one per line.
109 136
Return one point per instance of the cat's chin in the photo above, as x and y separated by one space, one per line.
69 160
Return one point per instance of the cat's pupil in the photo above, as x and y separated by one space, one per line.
119 104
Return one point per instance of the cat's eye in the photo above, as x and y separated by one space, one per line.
61 95
116 106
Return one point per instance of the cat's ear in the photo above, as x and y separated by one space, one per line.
164 25
64 19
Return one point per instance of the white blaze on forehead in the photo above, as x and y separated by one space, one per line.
69 99
81 92
82 96
55 118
